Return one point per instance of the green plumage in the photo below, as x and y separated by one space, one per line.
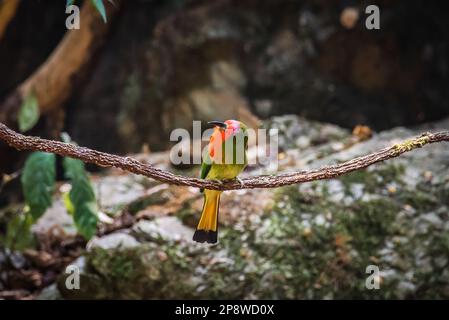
223 171
227 168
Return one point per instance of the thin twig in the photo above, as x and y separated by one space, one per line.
103 159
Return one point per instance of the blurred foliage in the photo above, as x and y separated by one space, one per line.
38 181
82 198
98 4
18 233
28 113
38 184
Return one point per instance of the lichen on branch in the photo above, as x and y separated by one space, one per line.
102 159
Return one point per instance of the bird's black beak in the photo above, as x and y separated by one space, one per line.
220 124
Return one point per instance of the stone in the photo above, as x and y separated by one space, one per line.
50 293
113 240
55 219
167 228
115 191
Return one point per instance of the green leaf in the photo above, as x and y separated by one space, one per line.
18 233
81 191
65 137
28 113
73 168
68 203
86 219
69 2
98 4
38 182
82 198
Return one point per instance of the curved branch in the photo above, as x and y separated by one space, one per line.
103 159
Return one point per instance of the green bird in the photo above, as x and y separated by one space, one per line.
224 159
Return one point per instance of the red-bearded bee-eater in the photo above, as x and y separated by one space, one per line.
224 159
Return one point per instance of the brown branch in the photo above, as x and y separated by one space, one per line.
102 159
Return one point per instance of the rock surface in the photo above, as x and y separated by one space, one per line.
313 240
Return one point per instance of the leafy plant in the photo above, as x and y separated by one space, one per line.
28 113
38 184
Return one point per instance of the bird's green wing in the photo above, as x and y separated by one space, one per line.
205 167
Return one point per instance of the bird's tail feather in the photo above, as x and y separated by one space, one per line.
207 228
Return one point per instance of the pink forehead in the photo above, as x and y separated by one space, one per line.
233 124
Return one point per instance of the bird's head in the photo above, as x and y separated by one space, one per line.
228 127
223 130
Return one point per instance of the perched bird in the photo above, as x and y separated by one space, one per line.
224 159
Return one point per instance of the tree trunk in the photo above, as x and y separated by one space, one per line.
8 10
52 82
